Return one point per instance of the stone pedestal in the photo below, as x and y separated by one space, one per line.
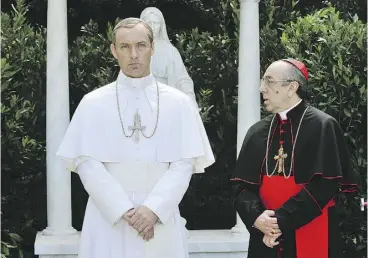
202 244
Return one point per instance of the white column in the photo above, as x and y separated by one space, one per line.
248 77
59 216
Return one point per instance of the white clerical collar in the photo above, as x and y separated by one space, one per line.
147 84
283 114
139 83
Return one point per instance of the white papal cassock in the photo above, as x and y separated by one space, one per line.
119 173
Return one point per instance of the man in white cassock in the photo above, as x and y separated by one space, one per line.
135 144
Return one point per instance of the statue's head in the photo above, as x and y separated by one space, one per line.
155 19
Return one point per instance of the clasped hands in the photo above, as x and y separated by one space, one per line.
143 220
267 223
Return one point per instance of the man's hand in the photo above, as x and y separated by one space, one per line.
147 234
128 215
143 219
270 241
267 224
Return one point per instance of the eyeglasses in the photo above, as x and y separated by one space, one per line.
267 81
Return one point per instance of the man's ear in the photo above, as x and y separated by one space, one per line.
152 48
113 50
294 86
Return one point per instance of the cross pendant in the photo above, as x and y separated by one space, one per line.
137 127
280 159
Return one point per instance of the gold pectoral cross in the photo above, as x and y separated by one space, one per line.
280 159
137 127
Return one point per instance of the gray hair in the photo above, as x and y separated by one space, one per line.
293 73
131 23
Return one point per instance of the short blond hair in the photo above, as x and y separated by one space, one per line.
131 23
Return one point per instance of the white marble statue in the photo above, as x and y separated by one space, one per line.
166 64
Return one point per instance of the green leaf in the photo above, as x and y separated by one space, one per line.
16 237
339 61
5 250
362 89
356 80
334 71
347 112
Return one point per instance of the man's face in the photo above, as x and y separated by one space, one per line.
276 90
133 51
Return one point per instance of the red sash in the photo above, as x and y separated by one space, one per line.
312 238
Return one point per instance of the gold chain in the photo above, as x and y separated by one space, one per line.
157 116
292 152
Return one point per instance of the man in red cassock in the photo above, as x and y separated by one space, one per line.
291 167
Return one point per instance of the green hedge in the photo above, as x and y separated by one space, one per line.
335 51
23 92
